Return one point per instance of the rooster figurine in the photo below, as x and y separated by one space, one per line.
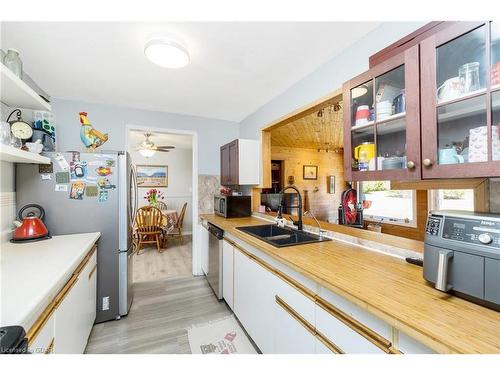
91 138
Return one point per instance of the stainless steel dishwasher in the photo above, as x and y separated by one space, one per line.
214 274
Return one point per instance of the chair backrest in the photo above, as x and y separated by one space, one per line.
148 219
181 215
162 206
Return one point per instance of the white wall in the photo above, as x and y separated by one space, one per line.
180 179
212 133
328 77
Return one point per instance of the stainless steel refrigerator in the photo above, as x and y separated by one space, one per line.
90 192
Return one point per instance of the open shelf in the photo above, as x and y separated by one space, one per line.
16 155
15 93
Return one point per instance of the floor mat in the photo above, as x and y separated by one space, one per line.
223 336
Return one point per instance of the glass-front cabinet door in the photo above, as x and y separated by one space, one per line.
382 121
460 93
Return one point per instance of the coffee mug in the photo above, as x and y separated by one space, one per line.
450 156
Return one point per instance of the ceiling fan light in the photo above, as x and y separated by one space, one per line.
166 54
147 153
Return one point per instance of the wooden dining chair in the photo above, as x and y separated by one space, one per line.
176 229
148 223
162 206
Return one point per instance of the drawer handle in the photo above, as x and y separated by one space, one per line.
93 270
64 292
296 315
372 336
308 326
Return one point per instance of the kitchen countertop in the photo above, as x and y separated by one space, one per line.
33 273
387 287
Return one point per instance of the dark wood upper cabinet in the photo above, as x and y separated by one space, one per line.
460 94
229 163
382 121
239 162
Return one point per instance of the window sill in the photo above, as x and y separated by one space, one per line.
411 224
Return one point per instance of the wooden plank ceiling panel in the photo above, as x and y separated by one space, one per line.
318 130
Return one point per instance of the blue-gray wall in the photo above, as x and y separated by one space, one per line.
113 120
328 77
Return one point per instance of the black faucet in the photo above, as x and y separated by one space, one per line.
298 223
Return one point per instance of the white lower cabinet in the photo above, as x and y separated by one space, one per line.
408 345
290 335
227 273
204 236
254 296
43 343
75 315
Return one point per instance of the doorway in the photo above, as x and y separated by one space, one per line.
165 161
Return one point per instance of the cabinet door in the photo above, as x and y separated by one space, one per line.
43 343
75 314
254 300
70 326
461 101
234 169
293 334
382 121
204 247
227 273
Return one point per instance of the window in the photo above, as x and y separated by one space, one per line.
448 199
380 203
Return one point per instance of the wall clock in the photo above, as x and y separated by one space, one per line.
19 128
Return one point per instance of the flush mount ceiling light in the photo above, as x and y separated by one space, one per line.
166 53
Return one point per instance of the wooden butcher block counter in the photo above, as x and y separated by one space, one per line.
387 287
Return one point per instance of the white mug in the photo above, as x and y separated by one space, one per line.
450 89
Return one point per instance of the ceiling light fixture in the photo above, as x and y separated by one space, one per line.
166 53
147 152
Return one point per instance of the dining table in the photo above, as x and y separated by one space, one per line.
169 219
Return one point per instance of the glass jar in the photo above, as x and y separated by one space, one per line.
4 133
12 61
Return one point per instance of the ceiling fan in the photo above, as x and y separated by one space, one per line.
147 148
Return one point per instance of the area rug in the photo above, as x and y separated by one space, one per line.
222 336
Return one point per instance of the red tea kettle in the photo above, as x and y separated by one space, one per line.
32 227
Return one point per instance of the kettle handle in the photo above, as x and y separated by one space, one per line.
24 208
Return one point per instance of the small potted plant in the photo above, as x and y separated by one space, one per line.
153 196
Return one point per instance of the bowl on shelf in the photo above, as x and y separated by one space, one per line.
34 147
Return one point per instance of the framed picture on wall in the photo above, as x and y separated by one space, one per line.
310 172
152 175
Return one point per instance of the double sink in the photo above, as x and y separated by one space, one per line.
281 237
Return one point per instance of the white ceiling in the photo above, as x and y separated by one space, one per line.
235 67
160 139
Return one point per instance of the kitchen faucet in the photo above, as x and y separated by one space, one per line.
321 231
298 223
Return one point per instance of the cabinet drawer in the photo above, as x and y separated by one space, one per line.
409 345
44 341
348 340
293 334
296 296
357 313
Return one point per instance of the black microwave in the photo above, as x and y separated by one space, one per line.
233 205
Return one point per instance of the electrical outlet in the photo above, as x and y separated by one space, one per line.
105 303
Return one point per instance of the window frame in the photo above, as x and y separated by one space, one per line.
433 199
391 220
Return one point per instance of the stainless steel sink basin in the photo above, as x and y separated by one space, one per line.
281 237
